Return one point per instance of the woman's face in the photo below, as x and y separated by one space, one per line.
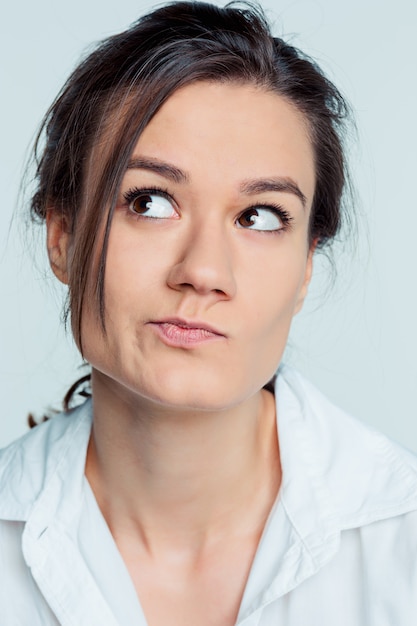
208 257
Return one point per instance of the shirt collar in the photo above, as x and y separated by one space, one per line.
337 474
45 464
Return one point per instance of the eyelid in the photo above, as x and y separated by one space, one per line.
271 206
133 192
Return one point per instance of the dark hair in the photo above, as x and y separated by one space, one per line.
112 95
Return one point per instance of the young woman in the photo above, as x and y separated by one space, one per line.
187 173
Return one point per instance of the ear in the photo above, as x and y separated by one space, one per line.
307 278
57 241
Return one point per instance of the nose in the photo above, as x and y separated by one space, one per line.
204 262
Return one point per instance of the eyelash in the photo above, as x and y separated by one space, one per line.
286 219
134 192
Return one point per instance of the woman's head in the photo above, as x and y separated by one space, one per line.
94 125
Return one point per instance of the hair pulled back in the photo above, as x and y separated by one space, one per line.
89 132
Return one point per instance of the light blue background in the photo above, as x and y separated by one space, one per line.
356 341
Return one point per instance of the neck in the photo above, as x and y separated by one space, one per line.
181 476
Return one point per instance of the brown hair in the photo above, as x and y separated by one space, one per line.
112 95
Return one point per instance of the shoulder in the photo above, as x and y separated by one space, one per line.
27 464
366 476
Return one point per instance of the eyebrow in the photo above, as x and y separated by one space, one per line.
159 167
280 184
249 187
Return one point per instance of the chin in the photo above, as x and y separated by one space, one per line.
187 398
205 392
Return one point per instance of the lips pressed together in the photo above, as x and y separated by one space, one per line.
180 333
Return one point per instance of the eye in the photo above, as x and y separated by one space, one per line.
264 218
150 203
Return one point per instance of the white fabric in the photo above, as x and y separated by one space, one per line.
339 547
103 559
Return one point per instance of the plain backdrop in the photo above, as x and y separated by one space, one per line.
356 338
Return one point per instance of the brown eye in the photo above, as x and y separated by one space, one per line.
152 205
261 218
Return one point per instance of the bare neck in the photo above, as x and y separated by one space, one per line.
182 477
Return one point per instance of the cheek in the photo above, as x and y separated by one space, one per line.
134 265
272 295
277 282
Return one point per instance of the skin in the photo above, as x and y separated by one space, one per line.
184 454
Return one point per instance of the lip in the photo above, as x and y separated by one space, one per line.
180 333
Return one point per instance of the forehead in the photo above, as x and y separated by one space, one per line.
222 133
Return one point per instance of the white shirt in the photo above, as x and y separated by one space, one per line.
339 547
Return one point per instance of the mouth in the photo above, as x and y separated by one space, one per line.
181 333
